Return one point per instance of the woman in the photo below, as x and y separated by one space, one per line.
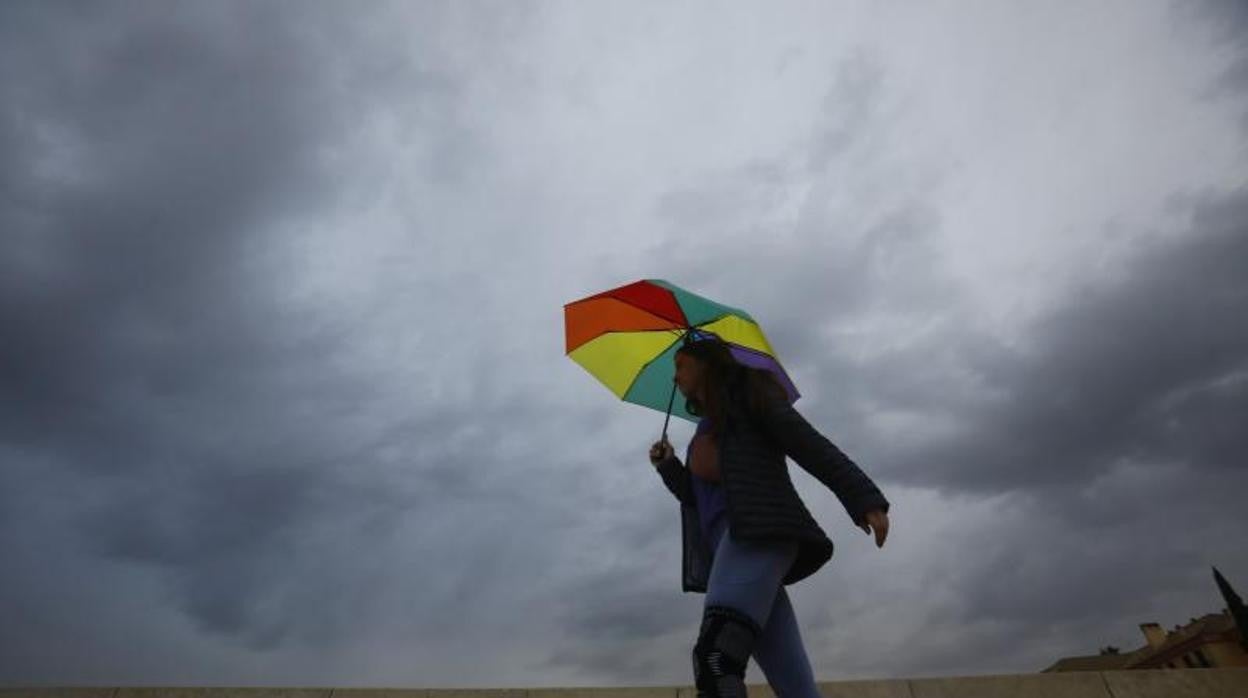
746 533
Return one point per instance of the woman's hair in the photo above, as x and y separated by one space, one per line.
723 371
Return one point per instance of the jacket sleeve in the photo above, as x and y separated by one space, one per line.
822 459
676 476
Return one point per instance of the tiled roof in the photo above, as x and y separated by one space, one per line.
1095 662
1210 626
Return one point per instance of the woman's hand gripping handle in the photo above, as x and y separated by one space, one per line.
661 451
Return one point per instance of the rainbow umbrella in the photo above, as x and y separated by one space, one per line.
627 338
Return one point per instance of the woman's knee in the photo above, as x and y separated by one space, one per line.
725 642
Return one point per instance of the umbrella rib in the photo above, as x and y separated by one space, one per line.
607 332
725 314
656 358
631 304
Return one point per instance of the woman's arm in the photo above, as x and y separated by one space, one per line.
676 477
821 458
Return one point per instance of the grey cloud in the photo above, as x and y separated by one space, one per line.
1227 22
147 347
1117 424
125 274
239 483
848 107
1224 24
616 626
1124 369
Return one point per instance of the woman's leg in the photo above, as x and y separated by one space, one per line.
781 654
741 593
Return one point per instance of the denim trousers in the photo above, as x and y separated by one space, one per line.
748 577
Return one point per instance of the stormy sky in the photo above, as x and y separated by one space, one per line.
283 397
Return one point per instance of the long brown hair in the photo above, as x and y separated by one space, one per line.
723 374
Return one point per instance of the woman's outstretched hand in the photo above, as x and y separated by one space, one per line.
879 521
661 451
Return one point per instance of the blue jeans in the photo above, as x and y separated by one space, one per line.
747 577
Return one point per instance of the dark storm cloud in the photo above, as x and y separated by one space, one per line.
198 462
1146 365
1224 25
1116 420
146 344
1227 20
150 163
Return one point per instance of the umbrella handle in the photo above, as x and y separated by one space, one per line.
671 400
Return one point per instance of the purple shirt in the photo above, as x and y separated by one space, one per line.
709 495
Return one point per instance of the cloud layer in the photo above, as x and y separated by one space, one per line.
281 289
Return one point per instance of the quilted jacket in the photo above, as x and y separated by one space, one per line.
762 504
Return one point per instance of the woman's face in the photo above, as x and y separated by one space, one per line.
688 374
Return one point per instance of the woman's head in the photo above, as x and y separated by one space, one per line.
706 366
701 366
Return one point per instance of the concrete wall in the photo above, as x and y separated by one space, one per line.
1192 683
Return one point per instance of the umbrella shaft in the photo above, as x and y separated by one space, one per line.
668 417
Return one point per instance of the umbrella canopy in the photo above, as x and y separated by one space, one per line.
627 338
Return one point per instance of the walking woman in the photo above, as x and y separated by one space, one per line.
746 533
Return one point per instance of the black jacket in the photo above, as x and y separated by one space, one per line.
762 504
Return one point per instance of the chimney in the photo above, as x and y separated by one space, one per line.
1154 634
